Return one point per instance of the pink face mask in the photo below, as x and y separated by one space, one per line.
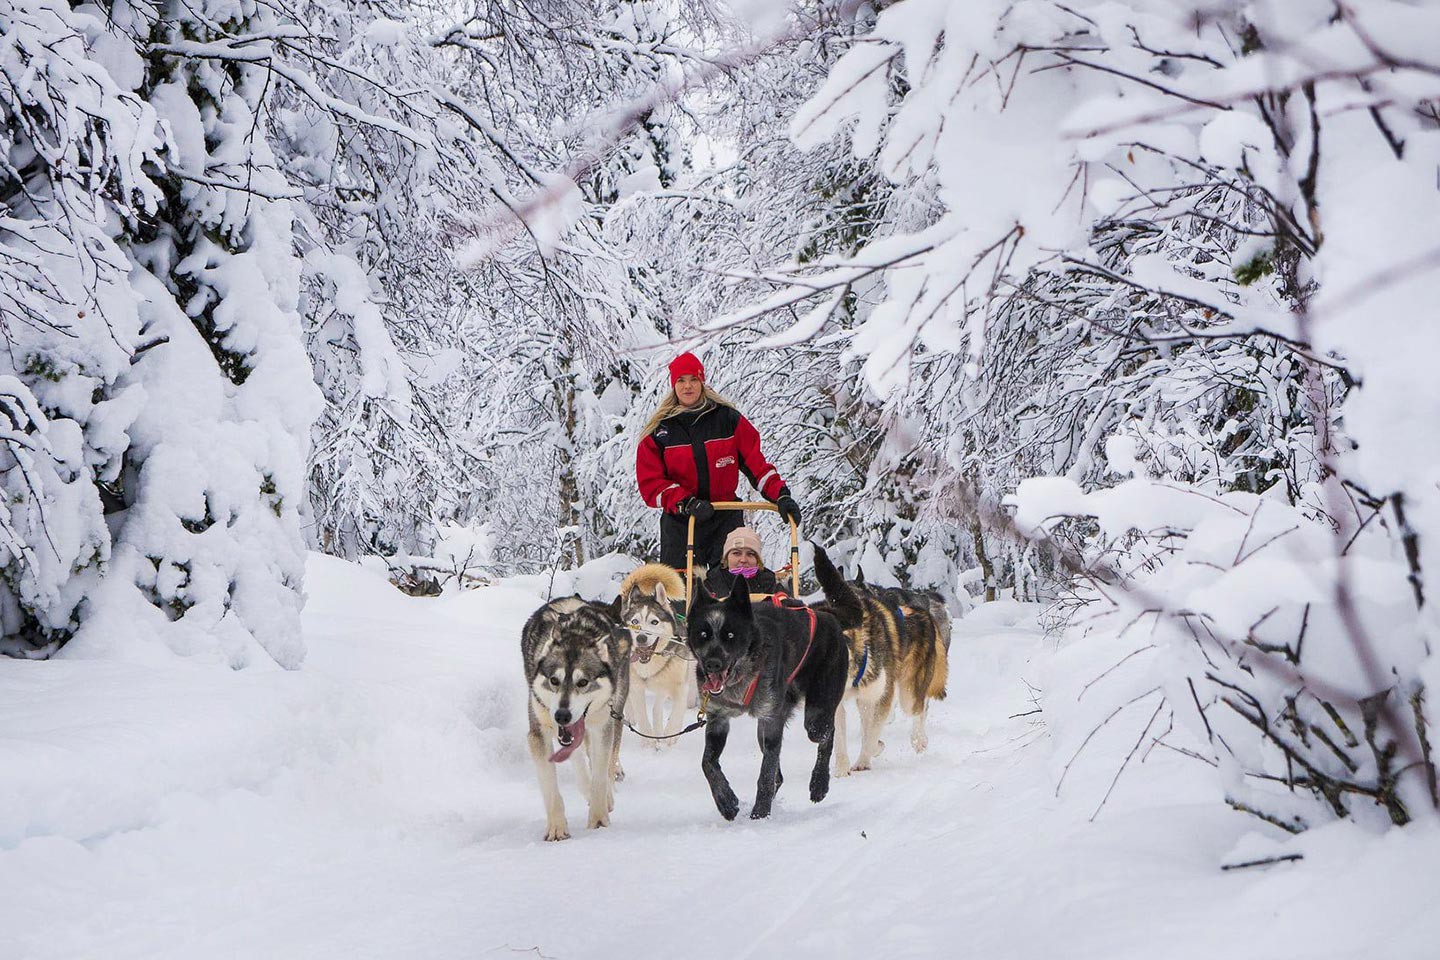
746 572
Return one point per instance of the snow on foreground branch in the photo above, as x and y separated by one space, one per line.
1224 617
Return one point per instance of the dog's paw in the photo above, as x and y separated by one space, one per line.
598 820
760 813
728 804
919 741
879 747
557 831
819 785
842 770
860 766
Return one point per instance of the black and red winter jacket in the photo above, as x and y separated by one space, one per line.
702 455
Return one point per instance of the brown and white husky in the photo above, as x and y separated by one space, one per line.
660 662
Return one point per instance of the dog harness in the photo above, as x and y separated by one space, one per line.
865 657
864 660
778 599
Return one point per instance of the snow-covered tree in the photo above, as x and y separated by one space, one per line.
1185 233
158 488
79 146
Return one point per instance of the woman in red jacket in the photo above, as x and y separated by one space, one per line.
694 449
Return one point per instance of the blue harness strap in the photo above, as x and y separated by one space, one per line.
864 659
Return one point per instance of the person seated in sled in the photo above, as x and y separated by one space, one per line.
741 566
692 452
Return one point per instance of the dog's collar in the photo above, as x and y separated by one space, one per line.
750 689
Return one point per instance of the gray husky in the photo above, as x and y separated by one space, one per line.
576 664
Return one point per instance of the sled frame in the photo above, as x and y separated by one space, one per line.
740 505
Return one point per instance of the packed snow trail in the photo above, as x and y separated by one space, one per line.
381 803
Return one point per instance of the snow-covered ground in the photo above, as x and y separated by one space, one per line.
380 803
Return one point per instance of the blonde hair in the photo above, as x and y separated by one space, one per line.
671 405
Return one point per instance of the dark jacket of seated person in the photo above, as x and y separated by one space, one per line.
721 581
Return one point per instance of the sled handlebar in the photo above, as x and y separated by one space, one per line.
741 505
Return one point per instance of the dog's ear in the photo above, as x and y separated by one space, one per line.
615 607
700 597
634 596
739 600
660 596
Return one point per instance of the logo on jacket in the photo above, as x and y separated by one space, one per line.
662 432
725 462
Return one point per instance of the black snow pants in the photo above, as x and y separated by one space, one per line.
709 537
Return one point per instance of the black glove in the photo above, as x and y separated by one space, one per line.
701 510
789 509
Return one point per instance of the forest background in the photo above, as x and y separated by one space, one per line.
1127 306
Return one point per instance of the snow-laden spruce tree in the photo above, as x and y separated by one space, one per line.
156 327
80 148
1182 242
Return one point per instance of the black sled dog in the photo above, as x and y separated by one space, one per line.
762 659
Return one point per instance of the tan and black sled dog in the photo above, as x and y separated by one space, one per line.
660 661
873 640
924 653
576 666
899 645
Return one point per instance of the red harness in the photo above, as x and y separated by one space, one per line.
777 599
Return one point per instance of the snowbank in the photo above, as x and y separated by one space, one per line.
379 802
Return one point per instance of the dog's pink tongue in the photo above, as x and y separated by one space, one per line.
713 683
576 731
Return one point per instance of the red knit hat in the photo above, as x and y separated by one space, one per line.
686 364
